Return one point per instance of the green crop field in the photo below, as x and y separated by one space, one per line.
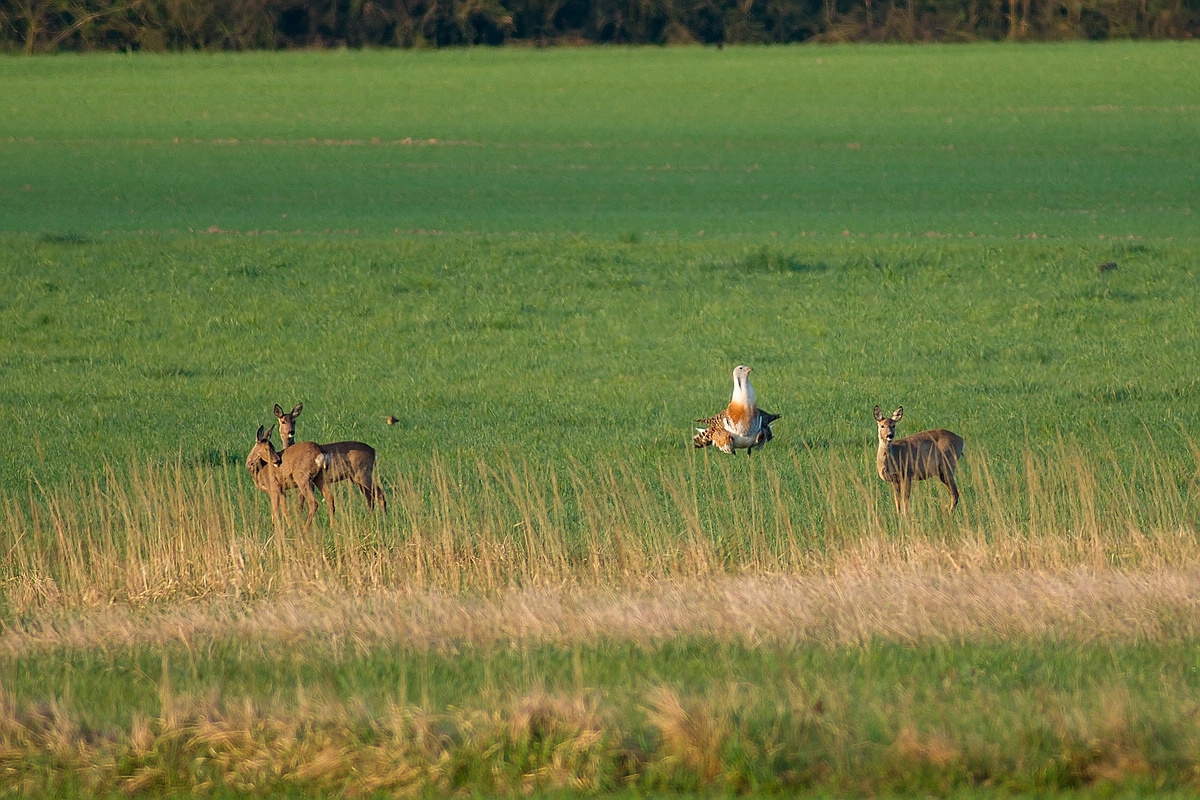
1070 140
545 265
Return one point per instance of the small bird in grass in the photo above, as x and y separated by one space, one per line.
742 425
390 420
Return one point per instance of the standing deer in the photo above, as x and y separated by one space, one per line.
353 461
928 454
301 467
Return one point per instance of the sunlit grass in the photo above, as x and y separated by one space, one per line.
175 532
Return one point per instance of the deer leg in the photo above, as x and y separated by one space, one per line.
327 493
378 490
367 494
948 479
283 504
309 500
896 497
905 491
365 481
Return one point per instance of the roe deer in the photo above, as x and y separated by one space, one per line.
287 424
354 461
928 454
302 467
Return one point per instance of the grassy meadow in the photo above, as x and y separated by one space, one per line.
1000 140
545 264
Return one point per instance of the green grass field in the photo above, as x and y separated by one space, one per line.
682 717
1071 140
545 264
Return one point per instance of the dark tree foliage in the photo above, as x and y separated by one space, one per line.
35 26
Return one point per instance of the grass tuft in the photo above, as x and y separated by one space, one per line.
190 532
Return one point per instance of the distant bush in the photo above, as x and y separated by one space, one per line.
34 26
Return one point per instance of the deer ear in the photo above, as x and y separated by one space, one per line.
269 432
878 414
296 411
897 414
278 410
260 433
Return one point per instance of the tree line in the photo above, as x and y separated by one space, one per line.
38 26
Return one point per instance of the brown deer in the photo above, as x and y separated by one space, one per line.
353 461
287 424
928 454
301 467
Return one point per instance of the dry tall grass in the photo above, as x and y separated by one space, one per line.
171 533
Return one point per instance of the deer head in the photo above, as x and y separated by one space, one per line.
263 452
287 424
887 425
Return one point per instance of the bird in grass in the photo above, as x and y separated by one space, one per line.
742 425
390 420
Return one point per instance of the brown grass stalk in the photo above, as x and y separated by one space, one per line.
165 533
